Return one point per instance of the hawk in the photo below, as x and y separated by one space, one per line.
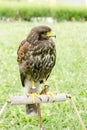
36 58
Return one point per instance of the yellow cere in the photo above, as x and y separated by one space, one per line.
49 34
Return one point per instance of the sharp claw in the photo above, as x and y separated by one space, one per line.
51 94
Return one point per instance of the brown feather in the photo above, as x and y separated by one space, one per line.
36 56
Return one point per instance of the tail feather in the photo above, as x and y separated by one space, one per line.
31 109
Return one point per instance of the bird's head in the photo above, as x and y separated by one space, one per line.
41 33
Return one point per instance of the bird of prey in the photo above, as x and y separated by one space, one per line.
36 58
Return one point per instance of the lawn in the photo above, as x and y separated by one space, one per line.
69 75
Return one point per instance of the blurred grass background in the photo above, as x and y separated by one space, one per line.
69 74
26 10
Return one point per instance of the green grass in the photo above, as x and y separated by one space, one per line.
26 11
69 76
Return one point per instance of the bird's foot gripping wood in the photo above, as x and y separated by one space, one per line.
47 92
33 96
33 93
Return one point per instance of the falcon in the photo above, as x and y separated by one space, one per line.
36 57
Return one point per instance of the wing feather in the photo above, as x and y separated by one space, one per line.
22 50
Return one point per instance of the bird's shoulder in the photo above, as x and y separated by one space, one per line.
22 50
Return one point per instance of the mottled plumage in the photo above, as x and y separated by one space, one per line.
36 56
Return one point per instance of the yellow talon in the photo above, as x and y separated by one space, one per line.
51 94
44 81
33 96
33 84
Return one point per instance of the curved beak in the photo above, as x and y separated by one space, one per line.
50 34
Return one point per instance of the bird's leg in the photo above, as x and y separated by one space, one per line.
44 81
33 85
45 90
46 87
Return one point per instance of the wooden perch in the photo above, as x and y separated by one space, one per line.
15 100
21 100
